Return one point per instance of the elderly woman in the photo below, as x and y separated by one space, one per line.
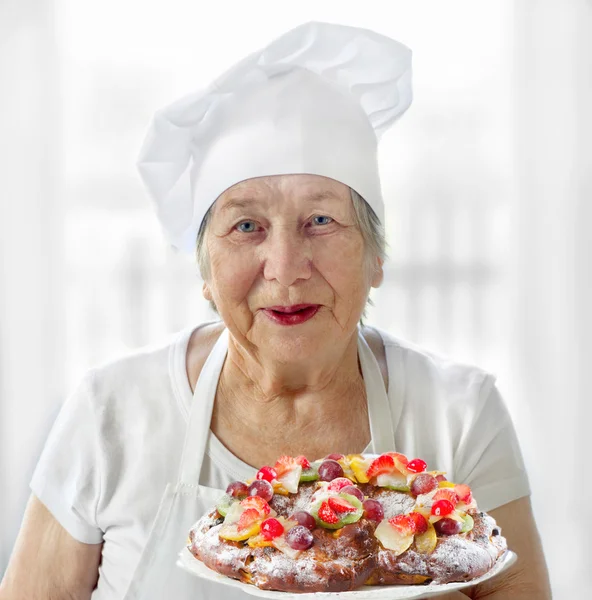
270 174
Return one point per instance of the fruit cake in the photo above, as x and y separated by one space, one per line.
346 521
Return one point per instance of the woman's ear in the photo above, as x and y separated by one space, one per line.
378 273
205 290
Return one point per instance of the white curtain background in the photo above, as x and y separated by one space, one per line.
488 179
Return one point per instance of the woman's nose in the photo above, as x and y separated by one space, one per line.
287 257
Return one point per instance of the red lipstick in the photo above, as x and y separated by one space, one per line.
291 315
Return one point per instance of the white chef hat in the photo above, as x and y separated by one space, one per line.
315 100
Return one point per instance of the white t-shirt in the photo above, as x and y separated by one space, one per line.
118 439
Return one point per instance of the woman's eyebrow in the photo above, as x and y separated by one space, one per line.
236 203
246 202
325 195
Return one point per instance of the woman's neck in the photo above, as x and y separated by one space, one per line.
282 405
265 381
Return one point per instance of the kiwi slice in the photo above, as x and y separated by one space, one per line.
225 503
346 518
397 488
352 517
393 481
467 524
309 474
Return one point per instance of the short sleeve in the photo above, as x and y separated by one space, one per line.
489 459
66 479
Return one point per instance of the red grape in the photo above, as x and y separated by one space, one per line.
447 526
330 470
334 456
440 478
337 484
271 528
424 483
261 488
237 488
373 510
305 519
354 491
299 538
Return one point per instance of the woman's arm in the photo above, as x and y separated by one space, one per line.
528 578
47 563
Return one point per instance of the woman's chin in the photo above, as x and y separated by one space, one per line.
290 342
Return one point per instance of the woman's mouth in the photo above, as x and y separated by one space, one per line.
291 315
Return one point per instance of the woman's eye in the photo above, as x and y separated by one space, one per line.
247 226
321 220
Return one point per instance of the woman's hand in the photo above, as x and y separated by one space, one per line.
47 562
528 578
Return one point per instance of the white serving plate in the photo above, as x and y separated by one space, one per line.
373 592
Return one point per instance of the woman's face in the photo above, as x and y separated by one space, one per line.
283 241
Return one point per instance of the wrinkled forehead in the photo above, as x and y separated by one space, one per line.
298 187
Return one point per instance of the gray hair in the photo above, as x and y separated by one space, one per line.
370 227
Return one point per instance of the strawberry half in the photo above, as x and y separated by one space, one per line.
403 523
447 494
285 464
327 514
400 457
303 462
248 517
257 503
383 464
464 493
340 505
421 524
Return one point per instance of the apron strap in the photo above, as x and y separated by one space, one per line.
379 407
200 416
198 430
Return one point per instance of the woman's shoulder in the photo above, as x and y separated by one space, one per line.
422 364
149 367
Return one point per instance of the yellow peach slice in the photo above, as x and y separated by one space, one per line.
455 515
426 542
231 532
279 489
347 470
258 541
359 465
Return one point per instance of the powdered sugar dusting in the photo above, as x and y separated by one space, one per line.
458 559
287 505
410 562
305 573
209 544
394 503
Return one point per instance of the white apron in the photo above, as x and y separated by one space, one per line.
157 576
